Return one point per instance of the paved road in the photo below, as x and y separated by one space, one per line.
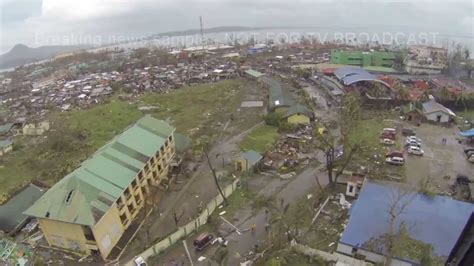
287 190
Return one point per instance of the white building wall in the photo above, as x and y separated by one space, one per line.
434 117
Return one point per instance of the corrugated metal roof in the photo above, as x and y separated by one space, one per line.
5 128
252 156
347 71
254 73
278 96
5 143
298 109
437 221
433 106
84 195
11 213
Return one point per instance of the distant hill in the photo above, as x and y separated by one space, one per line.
209 30
21 54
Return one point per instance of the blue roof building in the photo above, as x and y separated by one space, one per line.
437 221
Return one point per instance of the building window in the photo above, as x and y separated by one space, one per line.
134 183
140 176
162 149
123 218
171 138
88 233
119 203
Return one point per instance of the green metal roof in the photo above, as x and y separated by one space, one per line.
11 213
5 128
83 196
298 109
5 143
254 73
252 157
278 96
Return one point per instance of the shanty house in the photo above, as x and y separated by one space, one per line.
298 114
247 160
411 112
354 185
6 128
6 146
253 74
33 129
89 210
436 112
437 221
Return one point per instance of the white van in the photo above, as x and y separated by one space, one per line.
395 160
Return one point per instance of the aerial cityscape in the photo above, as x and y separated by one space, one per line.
306 133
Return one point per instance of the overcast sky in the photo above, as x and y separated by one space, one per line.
48 22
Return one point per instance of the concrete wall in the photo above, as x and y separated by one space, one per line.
298 119
370 256
108 231
243 163
189 228
64 235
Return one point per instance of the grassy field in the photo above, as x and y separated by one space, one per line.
73 137
261 139
469 114
367 133
192 109
199 112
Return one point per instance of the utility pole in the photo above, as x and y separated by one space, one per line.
215 178
202 33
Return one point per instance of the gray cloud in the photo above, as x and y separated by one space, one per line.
142 17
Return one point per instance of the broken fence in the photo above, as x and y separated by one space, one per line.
189 228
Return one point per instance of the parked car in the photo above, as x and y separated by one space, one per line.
387 141
463 180
414 139
388 135
469 154
408 132
389 130
395 160
468 149
202 241
415 150
139 261
414 143
471 158
394 153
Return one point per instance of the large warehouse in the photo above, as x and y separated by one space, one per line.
358 79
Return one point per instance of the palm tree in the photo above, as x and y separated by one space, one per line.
463 97
403 92
445 94
425 96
